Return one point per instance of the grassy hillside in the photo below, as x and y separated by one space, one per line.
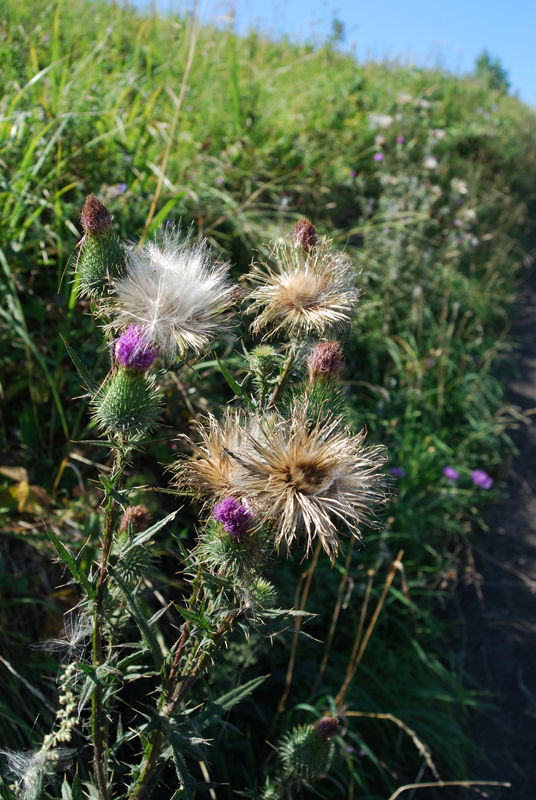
427 180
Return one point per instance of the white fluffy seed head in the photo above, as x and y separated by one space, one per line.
175 293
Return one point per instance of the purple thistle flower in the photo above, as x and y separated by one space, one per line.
400 140
398 472
234 516
353 173
482 479
378 156
450 473
133 350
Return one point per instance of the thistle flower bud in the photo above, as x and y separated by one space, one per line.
137 515
234 516
325 361
304 234
306 752
101 255
134 350
127 402
327 727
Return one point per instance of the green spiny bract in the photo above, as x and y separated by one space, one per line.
272 791
219 550
132 563
263 361
127 403
306 753
263 593
102 257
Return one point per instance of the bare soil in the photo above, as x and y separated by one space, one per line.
500 637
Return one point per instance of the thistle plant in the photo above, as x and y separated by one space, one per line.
277 473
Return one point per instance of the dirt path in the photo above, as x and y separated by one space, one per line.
500 647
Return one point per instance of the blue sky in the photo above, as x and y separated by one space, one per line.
425 31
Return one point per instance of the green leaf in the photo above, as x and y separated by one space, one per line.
235 386
66 793
142 537
119 497
182 771
87 692
213 712
198 618
140 620
78 574
90 383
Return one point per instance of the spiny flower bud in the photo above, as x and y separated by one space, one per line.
127 402
138 516
134 350
325 360
234 516
304 234
101 255
306 752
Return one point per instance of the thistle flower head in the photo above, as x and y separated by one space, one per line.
95 217
303 291
306 477
325 360
133 349
304 234
212 469
327 727
139 518
235 517
305 753
127 403
102 257
174 294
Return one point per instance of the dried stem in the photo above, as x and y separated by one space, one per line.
465 784
297 622
334 618
354 662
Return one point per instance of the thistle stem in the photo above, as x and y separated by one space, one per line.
98 726
178 694
285 374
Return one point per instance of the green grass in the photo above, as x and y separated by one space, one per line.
268 132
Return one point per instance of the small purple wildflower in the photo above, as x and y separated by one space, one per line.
118 189
234 516
378 156
450 473
353 173
398 472
400 140
482 479
133 350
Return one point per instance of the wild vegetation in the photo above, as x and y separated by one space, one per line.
425 182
